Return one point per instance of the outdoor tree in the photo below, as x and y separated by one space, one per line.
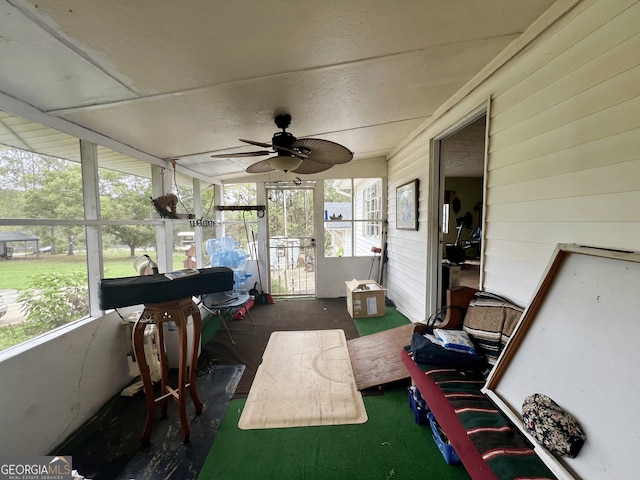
241 194
185 200
57 194
125 197
22 170
19 173
291 212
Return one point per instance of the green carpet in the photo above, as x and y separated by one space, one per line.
389 446
391 319
365 326
210 325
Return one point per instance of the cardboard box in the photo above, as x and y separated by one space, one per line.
365 299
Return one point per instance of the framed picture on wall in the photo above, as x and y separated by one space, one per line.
407 206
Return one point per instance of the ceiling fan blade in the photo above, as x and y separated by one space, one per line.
324 151
259 153
263 166
308 167
257 144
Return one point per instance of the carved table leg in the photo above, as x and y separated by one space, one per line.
181 324
177 311
145 375
164 369
197 334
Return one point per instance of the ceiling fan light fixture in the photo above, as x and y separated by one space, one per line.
285 163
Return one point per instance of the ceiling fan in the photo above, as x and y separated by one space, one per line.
304 155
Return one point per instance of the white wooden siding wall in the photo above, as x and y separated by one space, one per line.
564 154
348 241
364 244
405 275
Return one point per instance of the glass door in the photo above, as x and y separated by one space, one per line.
292 244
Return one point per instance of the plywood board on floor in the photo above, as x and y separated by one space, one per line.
375 359
305 379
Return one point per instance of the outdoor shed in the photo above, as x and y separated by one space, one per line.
8 239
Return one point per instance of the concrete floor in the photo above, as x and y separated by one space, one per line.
14 315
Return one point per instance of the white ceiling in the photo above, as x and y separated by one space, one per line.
161 79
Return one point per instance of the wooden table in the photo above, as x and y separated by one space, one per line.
176 311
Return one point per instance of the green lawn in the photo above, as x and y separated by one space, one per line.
15 273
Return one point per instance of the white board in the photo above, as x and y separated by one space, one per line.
577 342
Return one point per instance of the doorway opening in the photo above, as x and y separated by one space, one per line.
462 159
292 240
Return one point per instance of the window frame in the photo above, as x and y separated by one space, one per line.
372 226
92 224
360 224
